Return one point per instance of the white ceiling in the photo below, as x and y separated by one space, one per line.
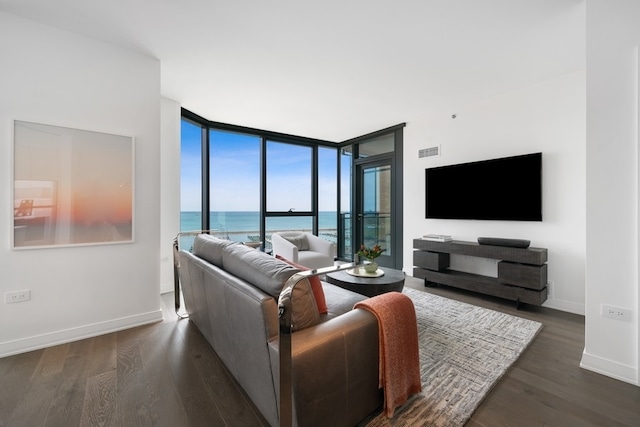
332 69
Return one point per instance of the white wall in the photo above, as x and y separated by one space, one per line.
613 36
548 117
170 184
58 78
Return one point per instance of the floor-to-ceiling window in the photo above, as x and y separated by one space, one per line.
191 180
289 201
328 193
251 183
234 185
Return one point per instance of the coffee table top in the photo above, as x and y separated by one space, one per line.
390 276
392 280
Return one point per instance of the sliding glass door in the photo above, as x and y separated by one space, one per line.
375 213
377 195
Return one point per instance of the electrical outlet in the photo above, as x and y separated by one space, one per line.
617 313
17 296
550 288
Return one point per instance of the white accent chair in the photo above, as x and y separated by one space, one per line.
303 248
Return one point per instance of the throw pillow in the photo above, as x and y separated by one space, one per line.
316 286
304 310
299 240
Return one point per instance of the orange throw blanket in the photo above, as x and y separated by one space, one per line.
399 354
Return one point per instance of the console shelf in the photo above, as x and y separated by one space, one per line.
522 273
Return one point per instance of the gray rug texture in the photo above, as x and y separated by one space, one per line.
464 351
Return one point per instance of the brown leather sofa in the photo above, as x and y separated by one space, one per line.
231 293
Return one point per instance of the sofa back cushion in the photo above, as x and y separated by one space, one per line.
210 248
270 274
254 266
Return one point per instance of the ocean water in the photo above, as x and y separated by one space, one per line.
245 226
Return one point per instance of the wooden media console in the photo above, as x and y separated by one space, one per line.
522 273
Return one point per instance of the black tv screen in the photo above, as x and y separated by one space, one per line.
508 189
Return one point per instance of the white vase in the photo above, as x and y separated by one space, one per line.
371 268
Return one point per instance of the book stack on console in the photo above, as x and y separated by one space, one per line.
437 237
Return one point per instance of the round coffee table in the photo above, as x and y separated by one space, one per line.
392 280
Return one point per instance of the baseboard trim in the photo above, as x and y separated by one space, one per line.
562 305
610 368
24 345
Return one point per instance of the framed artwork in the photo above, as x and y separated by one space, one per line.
71 187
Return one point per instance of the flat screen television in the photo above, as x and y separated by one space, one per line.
508 189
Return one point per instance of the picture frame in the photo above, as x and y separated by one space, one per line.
71 187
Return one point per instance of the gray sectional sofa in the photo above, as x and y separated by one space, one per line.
231 293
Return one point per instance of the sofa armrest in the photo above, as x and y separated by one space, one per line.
335 370
284 248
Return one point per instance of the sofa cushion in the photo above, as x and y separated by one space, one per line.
270 274
339 301
254 266
316 286
299 240
210 248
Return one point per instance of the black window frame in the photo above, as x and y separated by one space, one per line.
266 135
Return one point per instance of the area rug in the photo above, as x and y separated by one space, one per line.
464 351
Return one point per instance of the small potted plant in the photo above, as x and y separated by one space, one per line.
371 254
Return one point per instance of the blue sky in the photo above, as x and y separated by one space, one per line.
235 173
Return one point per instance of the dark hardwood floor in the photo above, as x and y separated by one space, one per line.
166 374
546 386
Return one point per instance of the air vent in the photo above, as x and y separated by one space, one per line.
429 152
